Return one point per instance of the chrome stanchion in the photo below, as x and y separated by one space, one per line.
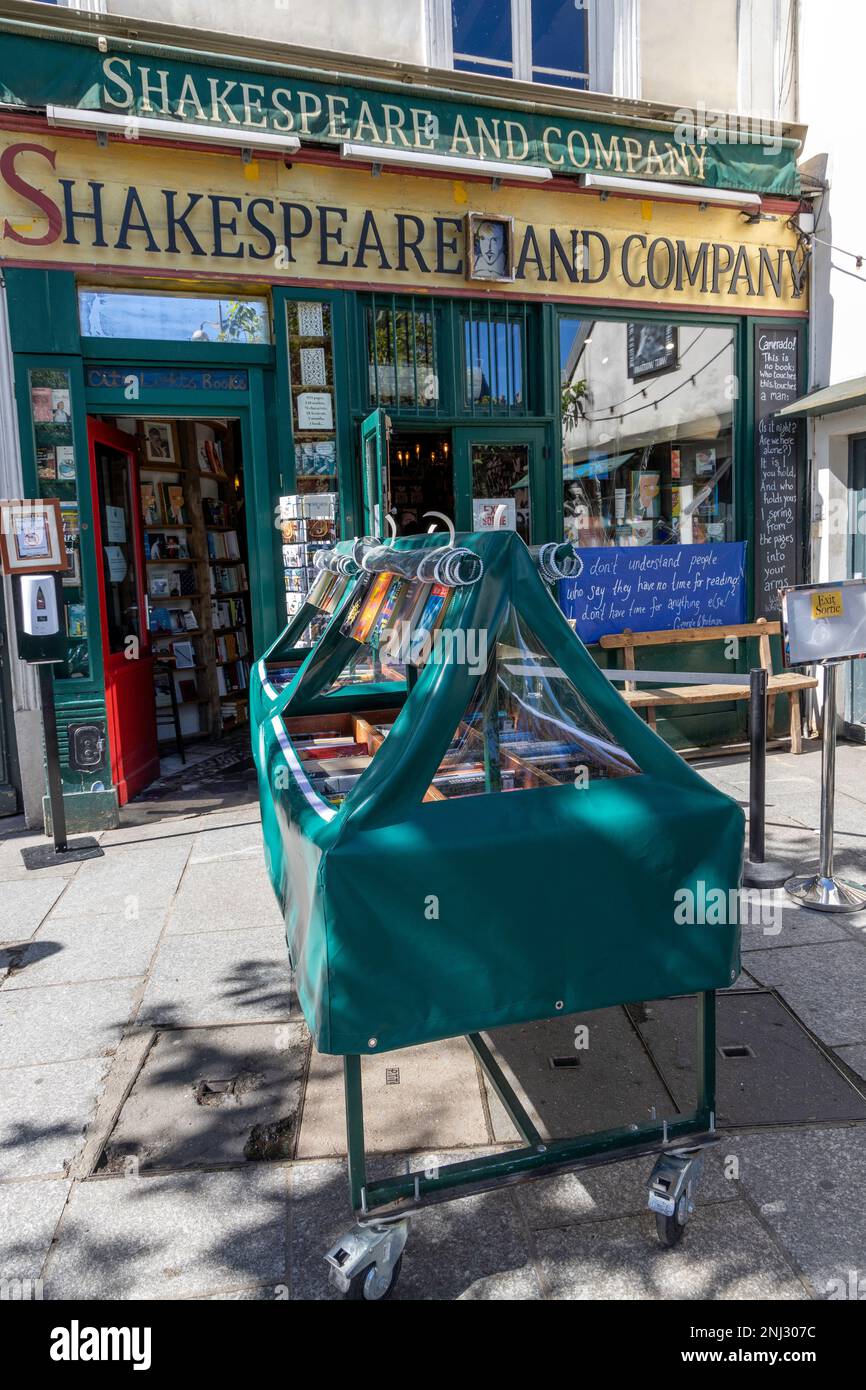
822 891
757 873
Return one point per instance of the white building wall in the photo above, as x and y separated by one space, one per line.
390 29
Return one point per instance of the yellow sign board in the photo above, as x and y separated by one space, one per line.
165 211
827 603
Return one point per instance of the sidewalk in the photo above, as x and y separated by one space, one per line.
150 1053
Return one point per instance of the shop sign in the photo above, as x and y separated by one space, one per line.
652 588
163 379
35 72
67 202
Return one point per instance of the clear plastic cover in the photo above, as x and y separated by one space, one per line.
526 726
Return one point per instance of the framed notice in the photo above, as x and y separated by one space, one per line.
31 536
824 622
651 349
489 247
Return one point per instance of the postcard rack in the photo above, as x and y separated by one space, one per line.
449 740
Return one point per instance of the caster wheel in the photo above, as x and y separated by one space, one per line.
369 1286
670 1228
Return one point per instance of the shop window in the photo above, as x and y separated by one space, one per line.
311 378
57 467
401 354
647 432
493 360
527 726
531 40
176 318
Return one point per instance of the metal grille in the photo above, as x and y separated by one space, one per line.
402 358
494 360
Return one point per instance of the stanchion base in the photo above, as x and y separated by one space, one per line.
43 856
827 894
764 875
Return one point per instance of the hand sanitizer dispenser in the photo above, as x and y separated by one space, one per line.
39 617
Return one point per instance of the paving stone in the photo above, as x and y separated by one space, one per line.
437 1101
219 977
25 903
71 949
29 1212
44 1112
129 877
213 1096
227 892
172 1237
615 1190
825 985
613 1084
61 1023
782 1078
241 840
725 1254
772 920
808 1186
471 1249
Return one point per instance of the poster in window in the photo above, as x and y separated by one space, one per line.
651 349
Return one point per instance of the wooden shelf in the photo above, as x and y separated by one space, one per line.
230 593
180 560
162 468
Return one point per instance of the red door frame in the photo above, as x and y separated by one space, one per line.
128 683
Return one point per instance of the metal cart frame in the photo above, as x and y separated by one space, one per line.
365 1264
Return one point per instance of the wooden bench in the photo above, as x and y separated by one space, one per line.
789 683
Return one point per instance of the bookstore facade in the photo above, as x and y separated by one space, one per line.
229 354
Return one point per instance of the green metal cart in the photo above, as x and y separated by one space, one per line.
447 726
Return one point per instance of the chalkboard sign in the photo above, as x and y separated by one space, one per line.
777 466
651 587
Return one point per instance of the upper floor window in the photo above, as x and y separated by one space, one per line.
531 40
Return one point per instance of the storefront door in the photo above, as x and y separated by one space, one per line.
375 437
129 692
499 480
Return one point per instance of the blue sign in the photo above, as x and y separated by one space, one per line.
651 587
168 378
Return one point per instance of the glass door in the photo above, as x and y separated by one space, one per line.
375 437
499 480
127 655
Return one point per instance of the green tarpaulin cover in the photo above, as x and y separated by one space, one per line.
560 861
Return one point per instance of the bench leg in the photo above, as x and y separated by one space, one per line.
771 716
796 722
651 719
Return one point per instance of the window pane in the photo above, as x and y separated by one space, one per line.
481 29
647 433
500 478
559 43
493 351
172 317
401 356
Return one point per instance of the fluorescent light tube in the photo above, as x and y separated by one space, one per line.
448 163
690 192
117 123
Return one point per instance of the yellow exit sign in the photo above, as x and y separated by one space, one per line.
827 603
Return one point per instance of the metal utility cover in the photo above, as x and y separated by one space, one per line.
787 1080
613 1084
207 1097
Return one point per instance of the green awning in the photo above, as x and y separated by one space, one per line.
847 395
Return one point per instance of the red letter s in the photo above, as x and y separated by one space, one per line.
31 194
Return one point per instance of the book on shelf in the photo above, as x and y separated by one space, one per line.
231 646
173 504
228 612
223 545
151 506
159 546
232 677
160 619
184 654
215 512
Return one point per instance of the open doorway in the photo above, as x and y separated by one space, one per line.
421 476
174 591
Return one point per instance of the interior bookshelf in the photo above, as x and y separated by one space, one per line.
198 593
